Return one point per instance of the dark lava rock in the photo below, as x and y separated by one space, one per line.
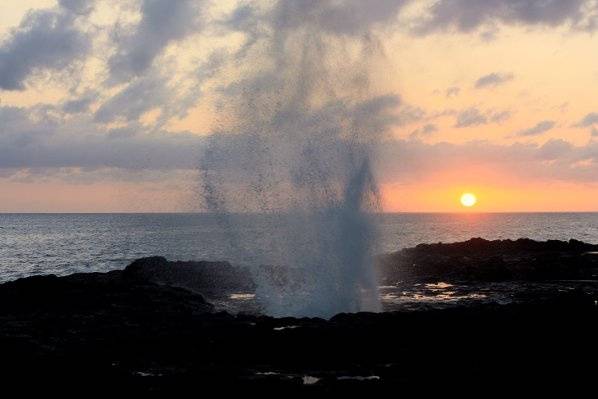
92 334
473 260
131 333
209 278
86 292
499 260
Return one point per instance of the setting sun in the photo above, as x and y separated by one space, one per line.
468 200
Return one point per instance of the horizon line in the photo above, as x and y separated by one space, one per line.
272 213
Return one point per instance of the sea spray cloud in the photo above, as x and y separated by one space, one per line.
306 129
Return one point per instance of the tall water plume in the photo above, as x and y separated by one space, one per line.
305 127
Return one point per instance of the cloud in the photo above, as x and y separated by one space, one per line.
77 6
499 116
162 22
474 117
158 90
44 40
489 35
346 17
425 130
411 161
37 138
34 138
492 80
407 114
79 104
469 15
452 92
554 149
588 120
134 100
539 128
67 137
470 117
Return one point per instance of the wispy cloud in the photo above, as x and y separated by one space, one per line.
557 159
588 120
474 117
470 117
539 128
424 131
452 92
493 79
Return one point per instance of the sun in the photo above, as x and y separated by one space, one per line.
468 200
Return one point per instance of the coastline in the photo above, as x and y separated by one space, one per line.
138 330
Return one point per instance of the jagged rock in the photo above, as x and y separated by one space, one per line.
209 278
109 334
129 332
499 260
87 293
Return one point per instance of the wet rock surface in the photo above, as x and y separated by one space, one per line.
131 331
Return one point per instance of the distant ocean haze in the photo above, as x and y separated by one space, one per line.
32 244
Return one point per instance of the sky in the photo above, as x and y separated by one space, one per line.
107 105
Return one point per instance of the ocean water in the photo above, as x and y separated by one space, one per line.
33 244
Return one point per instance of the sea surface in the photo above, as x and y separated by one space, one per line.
32 244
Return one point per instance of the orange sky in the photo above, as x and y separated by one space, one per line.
517 143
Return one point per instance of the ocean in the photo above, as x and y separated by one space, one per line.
33 244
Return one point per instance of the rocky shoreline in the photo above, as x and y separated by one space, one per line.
499 260
149 328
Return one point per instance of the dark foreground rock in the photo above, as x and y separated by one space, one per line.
130 332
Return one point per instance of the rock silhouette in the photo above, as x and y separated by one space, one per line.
136 331
499 260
